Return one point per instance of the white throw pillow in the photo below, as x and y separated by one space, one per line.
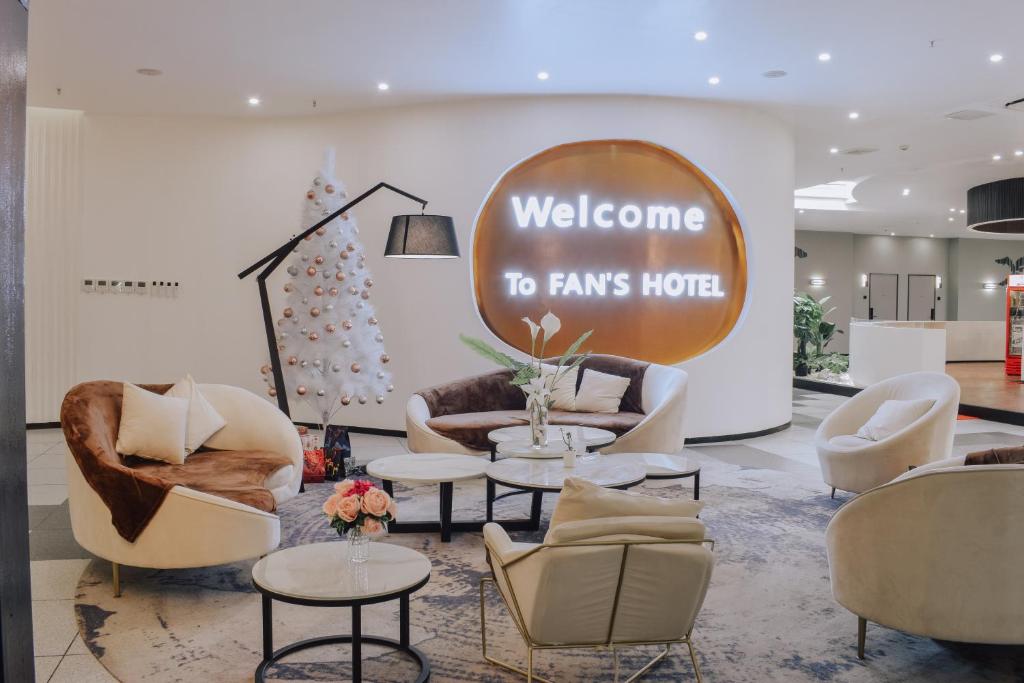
563 394
600 392
203 419
152 426
892 416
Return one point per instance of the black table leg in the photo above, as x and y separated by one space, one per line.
447 496
490 500
268 628
538 498
494 452
696 486
357 644
403 621
389 487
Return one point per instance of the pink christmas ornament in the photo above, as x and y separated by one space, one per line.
318 290
311 271
313 336
329 189
311 195
292 360
288 312
300 390
330 327
318 260
355 367
315 312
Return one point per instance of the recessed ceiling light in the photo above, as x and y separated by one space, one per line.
906 191
931 235
892 234
962 211
824 57
952 210
382 86
700 35
714 80
995 58
997 157
950 219
1018 152
148 72
254 101
800 211
833 150
853 116
543 75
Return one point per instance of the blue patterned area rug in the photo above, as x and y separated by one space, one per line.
769 615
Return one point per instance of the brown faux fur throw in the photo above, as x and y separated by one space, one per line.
134 488
997 456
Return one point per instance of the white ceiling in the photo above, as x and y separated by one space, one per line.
215 55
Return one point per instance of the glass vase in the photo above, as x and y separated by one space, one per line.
538 424
358 545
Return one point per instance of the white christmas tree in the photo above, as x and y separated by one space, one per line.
329 339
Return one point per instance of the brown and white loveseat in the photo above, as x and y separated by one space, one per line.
217 507
456 417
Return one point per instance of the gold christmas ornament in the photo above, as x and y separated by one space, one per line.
265 370
315 312
345 400
350 247
313 336
347 324
355 367
321 231
329 189
311 195
300 390
368 283
384 358
272 391
364 294
318 260
339 276
288 312
288 287
292 360
318 290
330 327
344 255
311 271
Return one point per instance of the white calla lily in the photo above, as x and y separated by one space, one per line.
550 324
534 328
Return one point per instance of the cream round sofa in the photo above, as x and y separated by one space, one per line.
189 528
936 553
651 417
862 464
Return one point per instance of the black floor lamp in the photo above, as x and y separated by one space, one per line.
411 236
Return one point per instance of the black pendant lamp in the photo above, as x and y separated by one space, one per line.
997 207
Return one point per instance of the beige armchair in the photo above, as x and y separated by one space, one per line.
602 583
935 553
852 464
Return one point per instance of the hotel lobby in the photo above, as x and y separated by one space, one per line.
459 341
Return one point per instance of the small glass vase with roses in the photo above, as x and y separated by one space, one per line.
359 511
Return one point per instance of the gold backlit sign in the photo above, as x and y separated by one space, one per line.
624 237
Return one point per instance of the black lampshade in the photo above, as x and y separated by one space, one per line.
997 207
420 236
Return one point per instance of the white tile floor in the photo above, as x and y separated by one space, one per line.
61 656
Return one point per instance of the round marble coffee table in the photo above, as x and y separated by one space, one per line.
443 469
320 575
593 436
545 476
664 466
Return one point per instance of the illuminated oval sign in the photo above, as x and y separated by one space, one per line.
624 237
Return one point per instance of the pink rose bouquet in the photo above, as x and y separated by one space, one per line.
358 503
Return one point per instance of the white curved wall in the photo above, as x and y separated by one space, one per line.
196 200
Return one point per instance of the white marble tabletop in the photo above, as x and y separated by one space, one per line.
523 449
428 467
322 571
660 464
594 436
550 475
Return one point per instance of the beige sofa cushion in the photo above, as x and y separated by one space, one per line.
672 527
581 500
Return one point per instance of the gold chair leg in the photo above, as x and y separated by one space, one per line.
527 672
116 571
529 664
862 629
646 667
693 660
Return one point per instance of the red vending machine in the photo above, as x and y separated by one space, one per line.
1014 324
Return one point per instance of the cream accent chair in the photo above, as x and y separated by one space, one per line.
610 582
661 429
192 528
936 553
860 464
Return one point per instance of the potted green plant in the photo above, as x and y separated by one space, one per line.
812 333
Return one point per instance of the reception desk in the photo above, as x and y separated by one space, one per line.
886 348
